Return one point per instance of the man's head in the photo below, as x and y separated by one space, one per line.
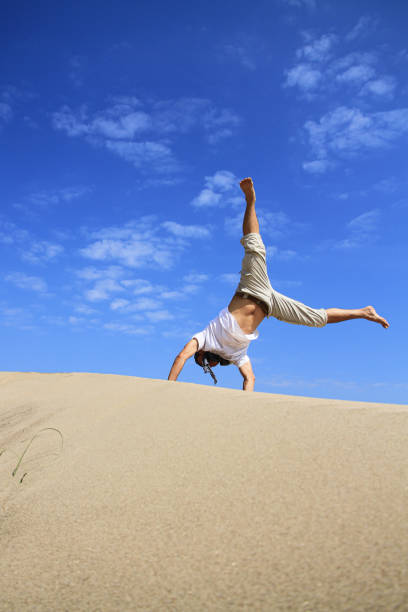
202 358
206 358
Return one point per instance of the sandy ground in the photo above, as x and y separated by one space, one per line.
174 496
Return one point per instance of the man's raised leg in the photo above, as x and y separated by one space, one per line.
250 224
337 315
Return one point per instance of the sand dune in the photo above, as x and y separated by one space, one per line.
139 494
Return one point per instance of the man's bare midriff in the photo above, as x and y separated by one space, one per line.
248 314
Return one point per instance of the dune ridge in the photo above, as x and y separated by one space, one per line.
137 494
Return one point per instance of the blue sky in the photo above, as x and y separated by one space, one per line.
125 129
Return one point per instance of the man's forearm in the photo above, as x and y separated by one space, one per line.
176 368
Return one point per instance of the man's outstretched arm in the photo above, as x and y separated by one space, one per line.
178 364
248 376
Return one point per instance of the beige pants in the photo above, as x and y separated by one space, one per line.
255 281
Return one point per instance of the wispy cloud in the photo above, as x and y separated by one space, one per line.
383 87
5 113
141 154
304 76
309 4
362 230
159 315
317 50
10 233
186 231
7 97
273 252
102 290
53 197
318 71
240 54
317 166
231 278
42 251
195 278
128 329
308 73
364 26
143 133
220 189
348 131
23 281
142 243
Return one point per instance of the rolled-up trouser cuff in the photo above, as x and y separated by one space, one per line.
291 311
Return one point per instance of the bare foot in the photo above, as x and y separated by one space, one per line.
247 187
370 314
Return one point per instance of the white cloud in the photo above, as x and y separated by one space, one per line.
10 233
102 290
23 281
141 304
219 124
310 4
218 190
42 251
195 278
346 131
186 231
84 309
159 315
58 196
317 166
222 180
145 153
5 112
92 273
273 252
119 304
359 73
206 197
138 286
384 86
366 222
308 74
140 133
319 49
273 223
362 229
365 25
133 247
129 329
119 121
351 59
317 72
172 295
232 278
145 303
304 76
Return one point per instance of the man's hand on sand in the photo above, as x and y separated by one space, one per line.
247 187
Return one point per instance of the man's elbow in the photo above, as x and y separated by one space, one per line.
180 358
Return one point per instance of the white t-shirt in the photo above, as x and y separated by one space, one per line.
224 337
